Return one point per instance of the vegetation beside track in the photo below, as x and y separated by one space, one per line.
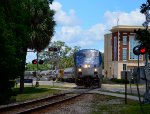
31 93
112 105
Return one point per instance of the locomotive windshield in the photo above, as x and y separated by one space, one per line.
88 54
88 57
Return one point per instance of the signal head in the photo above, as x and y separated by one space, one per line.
50 49
34 61
142 50
139 49
41 61
136 50
55 49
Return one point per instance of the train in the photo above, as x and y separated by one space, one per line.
88 67
69 74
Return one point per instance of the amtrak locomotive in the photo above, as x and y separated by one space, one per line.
88 67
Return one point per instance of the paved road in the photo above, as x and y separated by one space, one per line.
110 87
121 88
116 95
54 83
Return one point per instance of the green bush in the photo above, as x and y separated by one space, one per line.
12 83
119 81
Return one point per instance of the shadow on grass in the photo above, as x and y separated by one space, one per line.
31 90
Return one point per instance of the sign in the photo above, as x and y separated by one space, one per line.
127 73
142 72
28 80
147 71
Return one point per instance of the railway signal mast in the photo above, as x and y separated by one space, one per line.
143 36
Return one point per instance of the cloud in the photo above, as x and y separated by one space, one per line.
67 34
76 36
62 18
69 28
73 34
131 18
96 32
56 6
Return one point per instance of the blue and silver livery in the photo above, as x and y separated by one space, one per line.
88 67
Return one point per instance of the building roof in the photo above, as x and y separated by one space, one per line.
126 28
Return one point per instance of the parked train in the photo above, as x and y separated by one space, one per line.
88 67
69 75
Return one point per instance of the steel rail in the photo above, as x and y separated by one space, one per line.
44 103
49 104
19 105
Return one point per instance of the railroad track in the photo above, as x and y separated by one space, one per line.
36 105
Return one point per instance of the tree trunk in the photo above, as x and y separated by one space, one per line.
22 64
21 83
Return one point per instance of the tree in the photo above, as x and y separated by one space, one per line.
12 39
143 35
102 54
23 24
65 54
42 24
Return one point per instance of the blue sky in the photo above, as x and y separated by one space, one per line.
83 23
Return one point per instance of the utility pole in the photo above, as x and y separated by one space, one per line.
37 83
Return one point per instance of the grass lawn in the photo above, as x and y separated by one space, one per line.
114 105
34 92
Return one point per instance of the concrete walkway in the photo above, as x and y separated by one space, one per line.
116 94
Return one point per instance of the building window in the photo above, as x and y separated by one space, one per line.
133 43
115 49
124 67
124 53
124 40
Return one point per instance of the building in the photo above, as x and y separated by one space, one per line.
118 51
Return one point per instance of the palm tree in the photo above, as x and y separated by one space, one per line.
42 24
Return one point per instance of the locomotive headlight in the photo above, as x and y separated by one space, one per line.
95 70
79 70
86 66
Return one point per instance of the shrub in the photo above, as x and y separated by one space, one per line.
120 81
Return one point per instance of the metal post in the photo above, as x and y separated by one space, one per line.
146 83
53 83
138 76
146 59
125 87
130 84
